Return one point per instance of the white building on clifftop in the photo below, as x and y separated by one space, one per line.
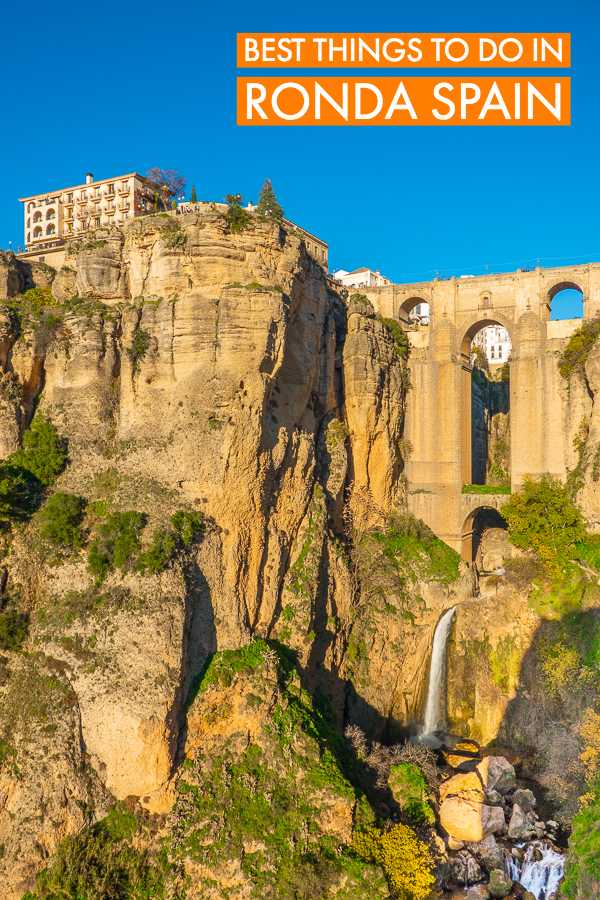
51 218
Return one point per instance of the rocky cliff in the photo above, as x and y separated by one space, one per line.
219 376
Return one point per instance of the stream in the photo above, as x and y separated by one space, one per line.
540 871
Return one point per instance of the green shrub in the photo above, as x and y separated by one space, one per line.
186 524
410 791
13 487
398 335
481 360
588 551
13 630
582 870
60 520
117 543
178 240
542 517
40 297
139 346
44 453
576 352
100 864
158 554
403 857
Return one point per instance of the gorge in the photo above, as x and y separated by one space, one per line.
210 682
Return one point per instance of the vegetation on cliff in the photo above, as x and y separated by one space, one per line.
574 356
543 518
271 810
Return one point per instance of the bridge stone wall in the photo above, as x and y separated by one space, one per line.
438 421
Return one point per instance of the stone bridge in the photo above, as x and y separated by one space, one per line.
438 421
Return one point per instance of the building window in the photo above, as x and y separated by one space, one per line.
96 223
111 220
111 188
499 352
486 302
28 236
69 198
69 229
84 195
37 217
50 229
51 214
28 222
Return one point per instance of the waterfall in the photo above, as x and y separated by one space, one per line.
541 870
433 708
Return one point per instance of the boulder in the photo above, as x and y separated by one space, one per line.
525 799
500 774
463 812
489 853
521 826
466 870
479 892
462 752
522 893
500 884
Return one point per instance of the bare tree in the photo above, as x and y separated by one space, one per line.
168 180
380 758
84 215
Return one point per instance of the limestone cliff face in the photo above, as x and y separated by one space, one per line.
208 370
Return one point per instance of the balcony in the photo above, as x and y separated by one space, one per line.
124 205
124 190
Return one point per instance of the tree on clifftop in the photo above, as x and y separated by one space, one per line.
193 197
267 202
169 181
237 217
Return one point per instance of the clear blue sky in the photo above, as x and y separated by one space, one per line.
123 86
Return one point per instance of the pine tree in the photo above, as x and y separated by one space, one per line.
267 202
193 198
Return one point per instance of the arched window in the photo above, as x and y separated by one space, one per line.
30 207
50 229
37 217
37 232
486 303
51 214
28 236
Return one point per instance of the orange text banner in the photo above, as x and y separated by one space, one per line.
409 101
347 50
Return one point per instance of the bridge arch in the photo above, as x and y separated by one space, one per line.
559 286
409 304
469 329
482 320
472 530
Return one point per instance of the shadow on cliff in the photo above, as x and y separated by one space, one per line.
558 688
200 640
